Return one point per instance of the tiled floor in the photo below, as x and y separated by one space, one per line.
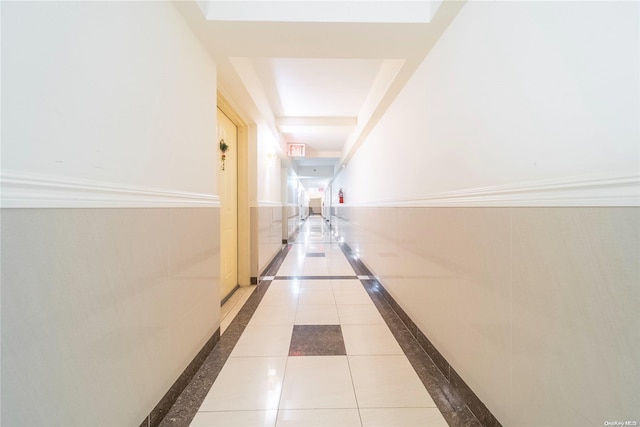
233 305
317 352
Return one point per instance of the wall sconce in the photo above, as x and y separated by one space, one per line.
271 158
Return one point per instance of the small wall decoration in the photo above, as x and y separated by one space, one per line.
223 148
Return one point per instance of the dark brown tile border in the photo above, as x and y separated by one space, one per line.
171 396
458 403
272 268
481 412
187 404
188 399
294 234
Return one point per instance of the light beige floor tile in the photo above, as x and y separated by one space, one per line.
276 314
291 269
279 298
284 286
281 288
315 267
369 340
316 247
402 417
316 296
318 418
354 285
247 383
317 315
338 265
316 390
235 419
315 284
387 382
316 382
359 314
263 340
352 296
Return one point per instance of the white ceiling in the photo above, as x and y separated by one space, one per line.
320 73
397 11
309 87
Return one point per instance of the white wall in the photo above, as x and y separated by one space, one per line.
293 190
315 203
268 196
269 184
120 93
535 308
521 301
104 308
513 92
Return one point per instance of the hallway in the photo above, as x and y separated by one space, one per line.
478 162
317 352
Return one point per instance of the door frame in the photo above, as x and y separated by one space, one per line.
244 218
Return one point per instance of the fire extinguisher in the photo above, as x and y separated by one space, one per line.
341 196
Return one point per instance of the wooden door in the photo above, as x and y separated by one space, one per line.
228 191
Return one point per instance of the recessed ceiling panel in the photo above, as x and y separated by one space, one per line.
317 87
399 11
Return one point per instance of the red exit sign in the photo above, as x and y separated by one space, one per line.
295 150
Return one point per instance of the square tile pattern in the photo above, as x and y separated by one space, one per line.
314 382
317 352
317 340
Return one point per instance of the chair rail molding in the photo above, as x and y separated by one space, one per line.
610 190
264 204
25 190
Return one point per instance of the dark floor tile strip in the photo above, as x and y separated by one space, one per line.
294 235
172 396
193 394
187 404
448 401
457 402
458 385
275 263
315 277
355 261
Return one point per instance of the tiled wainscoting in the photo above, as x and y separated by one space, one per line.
332 349
269 233
517 304
102 309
